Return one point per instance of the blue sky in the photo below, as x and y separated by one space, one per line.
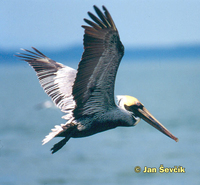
57 23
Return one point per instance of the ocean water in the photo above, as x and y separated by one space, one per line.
169 89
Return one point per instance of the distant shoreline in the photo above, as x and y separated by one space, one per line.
134 53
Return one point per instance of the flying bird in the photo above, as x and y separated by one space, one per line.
86 95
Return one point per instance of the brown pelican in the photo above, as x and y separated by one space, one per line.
86 96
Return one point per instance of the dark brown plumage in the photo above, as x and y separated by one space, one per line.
102 54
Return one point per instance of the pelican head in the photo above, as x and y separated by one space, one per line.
138 111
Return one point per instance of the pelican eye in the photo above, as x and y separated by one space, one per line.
138 105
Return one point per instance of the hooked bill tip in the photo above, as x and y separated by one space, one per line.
176 139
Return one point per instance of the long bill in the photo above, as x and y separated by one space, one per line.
148 117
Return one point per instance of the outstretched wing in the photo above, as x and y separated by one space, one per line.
93 89
55 78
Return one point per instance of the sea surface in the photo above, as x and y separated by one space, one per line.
169 89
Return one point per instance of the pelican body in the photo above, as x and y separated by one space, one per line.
86 95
